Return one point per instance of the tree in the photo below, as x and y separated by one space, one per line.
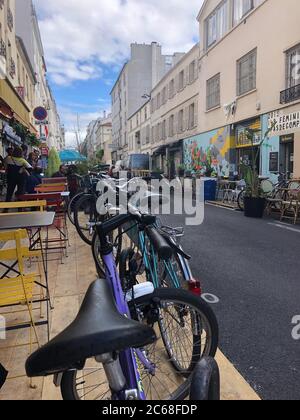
100 155
54 162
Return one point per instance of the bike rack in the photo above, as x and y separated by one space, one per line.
206 381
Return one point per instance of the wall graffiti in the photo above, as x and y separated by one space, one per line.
209 152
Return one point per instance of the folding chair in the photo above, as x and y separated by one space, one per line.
56 203
17 288
290 208
48 181
24 206
44 189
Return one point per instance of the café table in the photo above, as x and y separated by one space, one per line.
31 221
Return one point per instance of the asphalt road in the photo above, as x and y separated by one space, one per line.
253 267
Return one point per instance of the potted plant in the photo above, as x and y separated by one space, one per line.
181 171
255 200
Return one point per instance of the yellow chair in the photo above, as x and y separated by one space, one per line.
19 290
19 205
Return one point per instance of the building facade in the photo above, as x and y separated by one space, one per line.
139 130
27 29
15 70
249 77
99 138
174 112
145 68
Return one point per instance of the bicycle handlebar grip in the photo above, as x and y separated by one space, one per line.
159 243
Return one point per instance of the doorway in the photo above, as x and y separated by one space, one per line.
287 155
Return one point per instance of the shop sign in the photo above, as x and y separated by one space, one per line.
284 122
242 138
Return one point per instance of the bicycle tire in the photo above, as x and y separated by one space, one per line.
83 231
205 385
160 298
96 251
71 207
240 200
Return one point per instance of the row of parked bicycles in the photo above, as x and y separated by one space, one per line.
143 331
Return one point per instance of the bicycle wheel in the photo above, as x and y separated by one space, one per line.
85 212
241 202
71 207
116 239
185 316
205 384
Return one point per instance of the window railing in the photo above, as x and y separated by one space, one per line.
10 19
2 48
12 68
290 95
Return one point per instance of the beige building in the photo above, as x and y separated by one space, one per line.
99 137
139 126
174 112
249 76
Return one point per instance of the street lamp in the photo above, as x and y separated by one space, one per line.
146 96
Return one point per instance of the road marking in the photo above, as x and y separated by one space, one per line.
220 207
283 226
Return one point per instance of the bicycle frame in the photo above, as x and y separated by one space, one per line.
128 359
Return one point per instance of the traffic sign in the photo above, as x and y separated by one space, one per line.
40 113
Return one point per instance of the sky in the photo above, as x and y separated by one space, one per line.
87 42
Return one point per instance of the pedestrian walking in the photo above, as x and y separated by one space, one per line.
17 171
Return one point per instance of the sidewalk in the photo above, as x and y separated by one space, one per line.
68 284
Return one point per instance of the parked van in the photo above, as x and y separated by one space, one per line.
137 165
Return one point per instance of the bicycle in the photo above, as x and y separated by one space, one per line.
118 332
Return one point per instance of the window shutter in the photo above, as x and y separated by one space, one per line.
187 118
196 113
187 76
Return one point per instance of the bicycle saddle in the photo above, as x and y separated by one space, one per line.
98 329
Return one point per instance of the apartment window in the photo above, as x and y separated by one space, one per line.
152 106
217 24
164 95
164 131
180 121
158 101
246 73
146 114
192 72
191 116
242 7
148 134
171 126
213 92
181 80
293 67
172 89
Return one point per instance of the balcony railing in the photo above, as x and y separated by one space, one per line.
2 49
290 95
12 68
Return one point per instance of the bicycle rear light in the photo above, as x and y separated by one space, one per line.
195 287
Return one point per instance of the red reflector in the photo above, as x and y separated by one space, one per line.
195 287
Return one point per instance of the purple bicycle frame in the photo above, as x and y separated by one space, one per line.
129 357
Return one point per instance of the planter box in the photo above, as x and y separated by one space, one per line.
254 207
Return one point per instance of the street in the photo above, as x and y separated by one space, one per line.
253 267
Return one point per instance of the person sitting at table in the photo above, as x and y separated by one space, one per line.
17 171
33 180
61 173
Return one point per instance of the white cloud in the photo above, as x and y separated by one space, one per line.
81 36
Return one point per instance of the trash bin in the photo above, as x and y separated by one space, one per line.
210 190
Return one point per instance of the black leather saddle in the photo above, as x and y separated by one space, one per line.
98 329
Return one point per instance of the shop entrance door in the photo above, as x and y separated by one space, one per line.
287 155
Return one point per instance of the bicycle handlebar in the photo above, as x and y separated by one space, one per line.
163 249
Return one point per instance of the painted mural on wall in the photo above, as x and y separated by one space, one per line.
209 153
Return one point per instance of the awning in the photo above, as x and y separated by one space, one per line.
11 136
175 146
71 156
12 99
160 151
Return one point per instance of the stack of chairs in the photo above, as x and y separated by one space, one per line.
21 293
